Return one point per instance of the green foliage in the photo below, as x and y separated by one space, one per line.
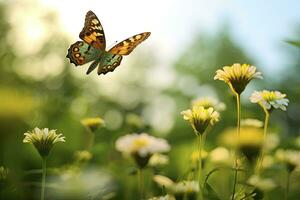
295 43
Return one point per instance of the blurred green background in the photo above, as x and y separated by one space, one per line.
39 87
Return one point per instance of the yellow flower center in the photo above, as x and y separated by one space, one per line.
140 143
269 95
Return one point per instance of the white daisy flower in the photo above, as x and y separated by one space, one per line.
141 146
43 139
270 99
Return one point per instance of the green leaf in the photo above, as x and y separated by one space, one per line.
294 43
209 174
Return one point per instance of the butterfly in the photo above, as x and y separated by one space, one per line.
92 48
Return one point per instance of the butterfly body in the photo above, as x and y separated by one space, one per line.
107 62
92 48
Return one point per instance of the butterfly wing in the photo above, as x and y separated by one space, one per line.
126 47
92 32
80 53
109 62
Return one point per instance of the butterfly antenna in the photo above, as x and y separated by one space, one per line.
113 44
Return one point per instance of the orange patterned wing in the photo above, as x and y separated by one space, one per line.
92 32
126 47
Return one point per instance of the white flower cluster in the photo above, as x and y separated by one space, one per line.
220 155
177 187
158 160
289 157
265 184
269 99
141 144
186 187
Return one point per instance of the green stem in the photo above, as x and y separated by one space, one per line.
267 117
141 183
44 166
200 166
266 124
238 104
91 139
287 186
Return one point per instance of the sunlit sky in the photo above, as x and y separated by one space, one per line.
260 26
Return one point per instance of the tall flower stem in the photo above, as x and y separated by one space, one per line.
91 139
266 124
287 188
238 105
141 183
200 138
44 166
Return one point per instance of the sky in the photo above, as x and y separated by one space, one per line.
259 26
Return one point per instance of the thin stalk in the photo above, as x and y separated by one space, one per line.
191 175
287 188
238 105
266 124
200 166
44 166
185 196
91 139
141 183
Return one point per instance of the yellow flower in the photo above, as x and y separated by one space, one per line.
237 76
250 142
43 139
83 156
291 158
252 123
195 156
200 117
207 102
93 123
270 99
